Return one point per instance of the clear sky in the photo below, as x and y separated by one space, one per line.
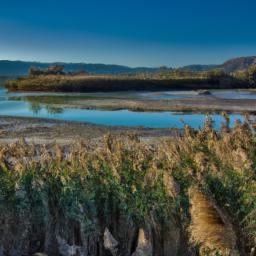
134 32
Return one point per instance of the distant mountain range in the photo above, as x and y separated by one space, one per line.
197 68
238 63
231 65
19 68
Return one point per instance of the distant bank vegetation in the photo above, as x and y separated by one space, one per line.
54 78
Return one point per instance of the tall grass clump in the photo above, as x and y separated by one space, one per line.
199 187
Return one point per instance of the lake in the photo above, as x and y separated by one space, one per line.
22 108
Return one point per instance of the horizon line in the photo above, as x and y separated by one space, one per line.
123 65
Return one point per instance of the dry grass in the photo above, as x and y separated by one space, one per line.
149 183
210 228
67 83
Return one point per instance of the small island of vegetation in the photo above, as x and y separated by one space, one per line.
55 79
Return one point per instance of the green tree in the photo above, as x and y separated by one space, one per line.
252 75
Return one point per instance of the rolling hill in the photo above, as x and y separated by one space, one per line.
20 68
232 65
238 64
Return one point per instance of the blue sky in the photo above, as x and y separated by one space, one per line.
134 32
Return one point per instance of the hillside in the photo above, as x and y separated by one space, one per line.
241 63
198 68
228 66
20 68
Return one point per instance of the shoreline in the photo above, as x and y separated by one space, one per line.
204 104
45 131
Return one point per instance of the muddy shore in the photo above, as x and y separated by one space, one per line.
200 104
47 130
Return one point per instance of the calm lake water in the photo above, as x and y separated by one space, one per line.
22 108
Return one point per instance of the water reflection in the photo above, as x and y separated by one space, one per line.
36 107
54 110
40 106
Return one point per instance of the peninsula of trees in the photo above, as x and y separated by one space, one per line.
54 78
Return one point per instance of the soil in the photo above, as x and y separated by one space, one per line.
47 130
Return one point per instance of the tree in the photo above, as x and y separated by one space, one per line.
51 70
252 75
55 70
215 76
34 71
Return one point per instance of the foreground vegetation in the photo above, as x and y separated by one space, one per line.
190 195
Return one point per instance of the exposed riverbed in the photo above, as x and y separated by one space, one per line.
170 109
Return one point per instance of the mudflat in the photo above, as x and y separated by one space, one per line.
203 103
44 131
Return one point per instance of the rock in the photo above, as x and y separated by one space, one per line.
39 254
69 250
204 92
110 242
144 246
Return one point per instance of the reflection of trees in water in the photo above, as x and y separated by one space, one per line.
53 110
36 107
